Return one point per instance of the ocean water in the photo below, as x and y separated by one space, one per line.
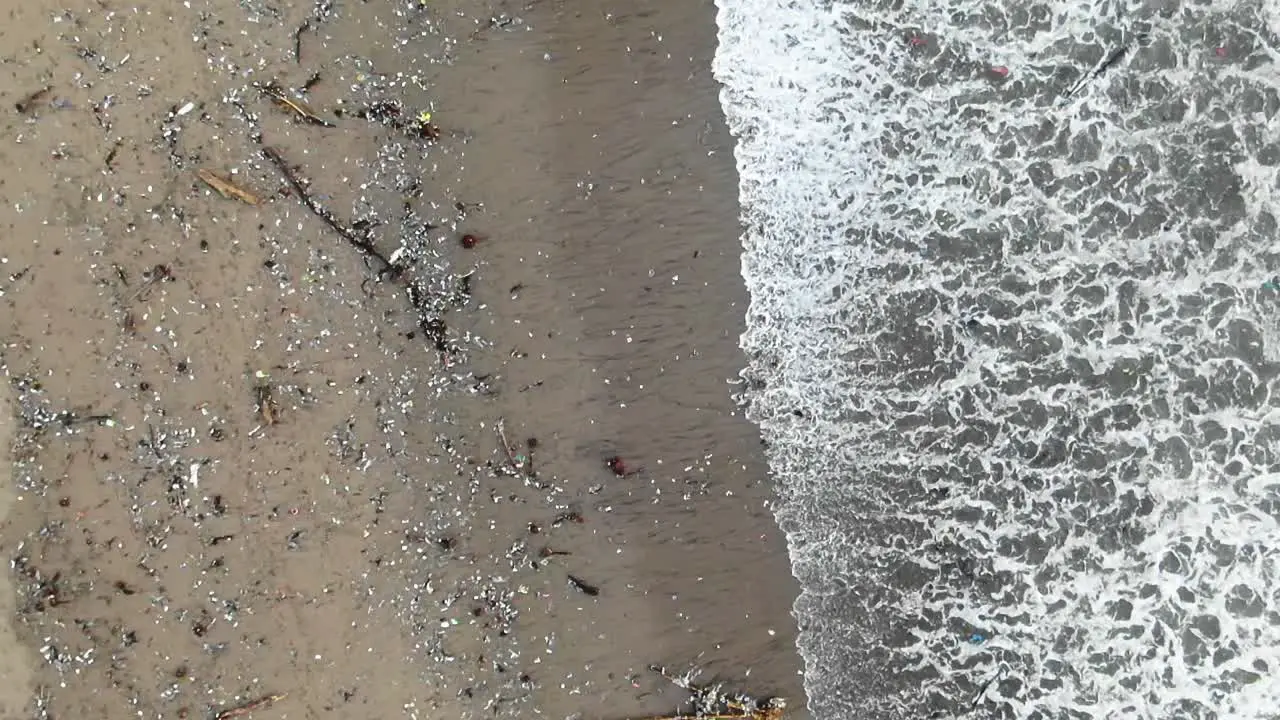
1012 344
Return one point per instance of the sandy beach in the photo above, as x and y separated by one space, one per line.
282 441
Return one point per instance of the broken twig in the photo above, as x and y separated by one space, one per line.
241 710
157 274
266 403
346 233
297 41
297 107
986 686
583 586
506 446
1107 63
27 103
222 183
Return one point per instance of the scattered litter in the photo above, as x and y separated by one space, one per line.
28 103
572 516
159 273
712 703
582 586
617 465
423 128
265 402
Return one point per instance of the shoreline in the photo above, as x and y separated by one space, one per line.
374 496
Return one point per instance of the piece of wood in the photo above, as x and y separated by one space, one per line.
223 184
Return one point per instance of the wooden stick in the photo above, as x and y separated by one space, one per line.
297 40
259 704
506 446
361 244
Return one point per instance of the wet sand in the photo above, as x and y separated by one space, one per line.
17 663
245 466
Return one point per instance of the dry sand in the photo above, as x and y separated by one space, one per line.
245 466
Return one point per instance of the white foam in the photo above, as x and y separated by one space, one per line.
1012 352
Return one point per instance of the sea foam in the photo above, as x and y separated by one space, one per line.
1012 345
